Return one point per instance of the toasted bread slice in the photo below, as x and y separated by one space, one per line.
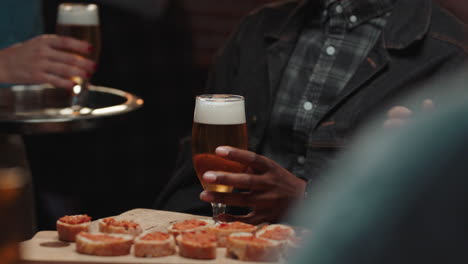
70 225
154 244
277 232
284 234
248 247
197 245
189 225
101 244
110 225
223 230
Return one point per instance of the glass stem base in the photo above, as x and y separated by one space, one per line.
79 95
218 209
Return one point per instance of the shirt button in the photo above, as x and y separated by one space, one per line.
308 106
331 50
339 9
353 19
301 160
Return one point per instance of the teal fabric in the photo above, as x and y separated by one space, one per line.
19 20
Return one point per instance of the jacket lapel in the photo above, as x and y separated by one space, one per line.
375 62
280 41
277 58
396 36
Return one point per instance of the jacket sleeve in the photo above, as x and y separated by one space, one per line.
227 62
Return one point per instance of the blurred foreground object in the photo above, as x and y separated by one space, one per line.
12 190
407 203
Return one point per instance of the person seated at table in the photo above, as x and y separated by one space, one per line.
312 73
398 195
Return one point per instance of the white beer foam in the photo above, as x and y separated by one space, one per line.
218 112
78 14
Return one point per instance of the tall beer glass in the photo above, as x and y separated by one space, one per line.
80 21
219 120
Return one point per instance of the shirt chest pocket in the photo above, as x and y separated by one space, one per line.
337 126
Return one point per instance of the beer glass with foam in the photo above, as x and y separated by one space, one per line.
80 21
219 120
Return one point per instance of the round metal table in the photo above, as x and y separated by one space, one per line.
33 109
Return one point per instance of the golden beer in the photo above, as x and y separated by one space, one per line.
219 120
88 33
206 138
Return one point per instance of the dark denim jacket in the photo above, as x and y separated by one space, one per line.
420 40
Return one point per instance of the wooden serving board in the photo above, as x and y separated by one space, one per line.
45 247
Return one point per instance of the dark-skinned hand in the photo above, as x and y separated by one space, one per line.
271 188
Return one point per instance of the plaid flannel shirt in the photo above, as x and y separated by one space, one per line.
327 54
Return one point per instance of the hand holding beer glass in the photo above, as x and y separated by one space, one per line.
80 21
219 120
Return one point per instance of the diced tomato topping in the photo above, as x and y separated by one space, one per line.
122 223
101 237
75 219
252 239
235 225
203 238
156 236
189 224
276 233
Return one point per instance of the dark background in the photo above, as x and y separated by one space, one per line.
122 165
164 57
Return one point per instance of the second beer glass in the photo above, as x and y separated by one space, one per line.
219 120
80 21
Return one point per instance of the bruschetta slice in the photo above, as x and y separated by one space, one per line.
70 225
111 225
154 244
197 245
248 247
100 244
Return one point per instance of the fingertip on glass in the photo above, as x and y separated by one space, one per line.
206 196
222 151
209 177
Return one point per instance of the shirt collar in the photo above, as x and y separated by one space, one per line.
357 12
409 22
